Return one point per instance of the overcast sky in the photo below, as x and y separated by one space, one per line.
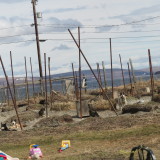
99 20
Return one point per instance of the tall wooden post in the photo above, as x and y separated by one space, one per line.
50 81
32 80
80 78
104 75
111 66
46 84
14 87
122 72
26 80
151 73
130 77
15 107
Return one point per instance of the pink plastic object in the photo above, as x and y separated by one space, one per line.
34 151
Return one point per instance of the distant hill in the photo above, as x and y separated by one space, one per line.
116 73
155 69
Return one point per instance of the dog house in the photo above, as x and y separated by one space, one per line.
85 108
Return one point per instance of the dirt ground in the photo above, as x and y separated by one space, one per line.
108 137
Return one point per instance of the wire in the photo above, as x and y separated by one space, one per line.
123 32
15 27
74 33
125 42
68 40
133 22
75 25
17 42
90 38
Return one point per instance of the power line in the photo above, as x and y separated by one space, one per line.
87 38
75 25
27 25
68 40
17 42
132 22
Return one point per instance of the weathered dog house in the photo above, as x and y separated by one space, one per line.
85 108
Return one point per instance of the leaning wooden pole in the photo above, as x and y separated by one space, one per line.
46 84
122 72
15 107
26 79
99 73
111 66
151 72
92 71
98 77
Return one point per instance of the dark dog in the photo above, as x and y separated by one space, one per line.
92 112
4 127
41 112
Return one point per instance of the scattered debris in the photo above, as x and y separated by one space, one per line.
35 152
65 145
142 152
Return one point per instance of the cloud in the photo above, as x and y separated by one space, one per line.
59 25
12 1
105 28
61 10
147 10
61 47
27 43
12 33
139 13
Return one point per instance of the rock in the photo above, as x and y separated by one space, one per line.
54 123
136 108
67 118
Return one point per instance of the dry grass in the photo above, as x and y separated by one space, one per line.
101 104
63 106
88 145
156 98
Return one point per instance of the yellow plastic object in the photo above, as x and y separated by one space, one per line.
64 142
31 146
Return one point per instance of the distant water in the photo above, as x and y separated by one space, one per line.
59 86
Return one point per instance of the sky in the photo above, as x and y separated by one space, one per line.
132 25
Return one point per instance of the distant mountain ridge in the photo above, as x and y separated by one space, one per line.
117 73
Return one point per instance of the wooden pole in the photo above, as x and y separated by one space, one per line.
111 66
151 73
104 75
46 84
122 72
14 87
130 77
7 90
26 80
50 81
75 84
92 72
15 107
33 87
80 78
